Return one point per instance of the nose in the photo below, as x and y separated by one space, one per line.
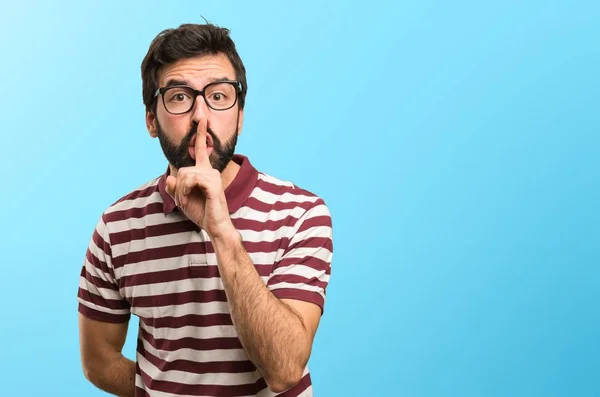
200 109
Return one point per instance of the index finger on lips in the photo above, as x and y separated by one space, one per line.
200 147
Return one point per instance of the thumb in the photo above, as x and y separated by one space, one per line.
171 183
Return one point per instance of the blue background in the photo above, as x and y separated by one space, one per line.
456 143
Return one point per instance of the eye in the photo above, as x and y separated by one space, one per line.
179 97
218 96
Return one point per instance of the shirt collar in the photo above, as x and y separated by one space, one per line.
236 193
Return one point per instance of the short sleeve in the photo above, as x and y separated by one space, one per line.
305 267
98 295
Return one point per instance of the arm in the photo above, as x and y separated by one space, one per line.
276 334
275 328
103 364
103 320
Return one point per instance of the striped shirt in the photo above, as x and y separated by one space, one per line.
146 258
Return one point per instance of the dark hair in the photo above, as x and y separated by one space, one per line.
187 41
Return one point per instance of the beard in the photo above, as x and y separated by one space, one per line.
179 155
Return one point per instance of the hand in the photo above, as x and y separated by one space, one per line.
198 191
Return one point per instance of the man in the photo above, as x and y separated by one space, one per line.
225 266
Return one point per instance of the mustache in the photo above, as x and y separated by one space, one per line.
188 138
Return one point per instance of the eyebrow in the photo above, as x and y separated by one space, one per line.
176 81
172 82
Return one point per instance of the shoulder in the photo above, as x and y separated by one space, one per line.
282 193
136 202
282 189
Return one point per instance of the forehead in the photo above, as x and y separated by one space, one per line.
197 71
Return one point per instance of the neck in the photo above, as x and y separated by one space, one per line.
229 173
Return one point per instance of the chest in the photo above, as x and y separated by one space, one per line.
177 275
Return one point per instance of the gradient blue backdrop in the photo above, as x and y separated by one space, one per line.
456 143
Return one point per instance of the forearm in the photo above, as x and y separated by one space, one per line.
272 334
116 376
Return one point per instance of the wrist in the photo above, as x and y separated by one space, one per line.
226 237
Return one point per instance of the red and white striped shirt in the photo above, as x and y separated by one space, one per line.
147 258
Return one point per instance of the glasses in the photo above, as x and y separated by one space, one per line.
220 95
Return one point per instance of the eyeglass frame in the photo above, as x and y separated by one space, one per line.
236 83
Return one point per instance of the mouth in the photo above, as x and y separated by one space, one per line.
192 147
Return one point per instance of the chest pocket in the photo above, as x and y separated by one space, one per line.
165 281
197 294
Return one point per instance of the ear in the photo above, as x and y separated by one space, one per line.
240 120
151 124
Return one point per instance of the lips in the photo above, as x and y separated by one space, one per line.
192 147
